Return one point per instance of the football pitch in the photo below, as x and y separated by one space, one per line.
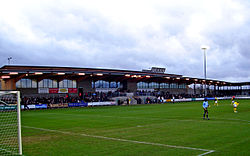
144 130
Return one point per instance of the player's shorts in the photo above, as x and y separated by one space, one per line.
235 105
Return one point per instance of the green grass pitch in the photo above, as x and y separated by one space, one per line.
143 130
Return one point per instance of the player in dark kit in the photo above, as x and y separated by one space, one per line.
233 98
205 107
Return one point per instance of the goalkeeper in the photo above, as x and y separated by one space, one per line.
205 107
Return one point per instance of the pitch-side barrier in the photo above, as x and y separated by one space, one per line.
201 99
112 103
68 105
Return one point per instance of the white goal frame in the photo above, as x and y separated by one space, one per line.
18 117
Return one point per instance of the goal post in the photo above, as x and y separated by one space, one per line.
10 123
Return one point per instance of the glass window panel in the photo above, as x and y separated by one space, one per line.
113 85
28 83
45 83
97 84
150 85
74 84
50 83
65 83
34 84
61 84
23 83
118 85
156 85
40 84
106 84
18 84
54 84
161 85
139 85
173 85
70 84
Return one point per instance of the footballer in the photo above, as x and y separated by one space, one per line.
215 101
233 98
205 108
235 106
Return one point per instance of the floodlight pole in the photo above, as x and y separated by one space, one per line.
9 58
205 68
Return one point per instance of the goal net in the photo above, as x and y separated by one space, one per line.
10 123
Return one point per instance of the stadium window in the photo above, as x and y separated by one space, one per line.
67 83
74 84
182 86
113 85
54 84
33 84
26 83
150 85
161 85
144 85
211 87
119 85
64 84
245 87
179 85
154 85
61 84
173 85
105 84
139 85
23 83
70 84
164 85
97 84
50 83
47 83
18 84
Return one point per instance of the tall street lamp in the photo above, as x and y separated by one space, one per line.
9 58
204 48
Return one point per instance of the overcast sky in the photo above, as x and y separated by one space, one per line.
130 34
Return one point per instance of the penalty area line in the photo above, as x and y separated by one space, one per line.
207 151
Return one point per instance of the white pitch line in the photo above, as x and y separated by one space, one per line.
125 140
155 118
206 153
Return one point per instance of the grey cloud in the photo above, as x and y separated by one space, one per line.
80 37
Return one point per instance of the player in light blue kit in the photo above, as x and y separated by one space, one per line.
205 107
